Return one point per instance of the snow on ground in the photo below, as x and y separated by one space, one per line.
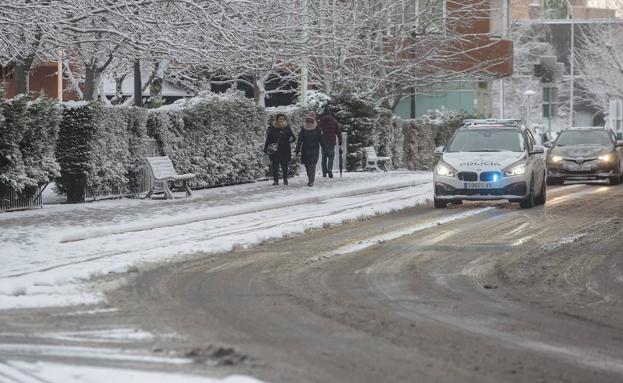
29 372
50 254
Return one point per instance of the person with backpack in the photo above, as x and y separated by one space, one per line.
279 138
332 136
308 145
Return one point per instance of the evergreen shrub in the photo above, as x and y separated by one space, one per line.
219 139
28 132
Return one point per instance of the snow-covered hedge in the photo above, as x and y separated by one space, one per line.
28 131
219 139
359 118
100 148
388 138
422 136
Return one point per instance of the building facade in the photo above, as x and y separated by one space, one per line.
485 54
558 9
562 23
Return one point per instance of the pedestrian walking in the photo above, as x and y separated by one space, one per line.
279 138
308 145
332 136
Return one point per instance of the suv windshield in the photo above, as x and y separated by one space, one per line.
584 137
487 140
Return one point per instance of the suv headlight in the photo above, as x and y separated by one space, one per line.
517 170
605 158
444 170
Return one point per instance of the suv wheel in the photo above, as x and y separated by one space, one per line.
543 195
528 202
615 180
440 204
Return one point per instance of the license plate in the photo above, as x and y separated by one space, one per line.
478 185
580 168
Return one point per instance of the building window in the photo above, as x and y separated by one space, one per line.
429 15
555 9
499 18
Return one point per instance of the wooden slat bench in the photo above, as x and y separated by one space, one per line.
162 173
372 160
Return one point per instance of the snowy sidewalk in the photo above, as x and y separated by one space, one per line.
49 253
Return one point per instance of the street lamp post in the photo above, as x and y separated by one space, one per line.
571 15
59 75
529 93
304 64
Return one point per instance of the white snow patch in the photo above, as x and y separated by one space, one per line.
115 335
29 372
405 232
49 253
89 353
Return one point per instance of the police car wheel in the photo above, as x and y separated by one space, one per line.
555 181
528 202
439 204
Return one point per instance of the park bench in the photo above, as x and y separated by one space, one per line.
162 173
372 161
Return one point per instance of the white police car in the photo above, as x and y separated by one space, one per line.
491 159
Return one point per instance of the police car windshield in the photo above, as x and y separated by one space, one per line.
584 137
487 140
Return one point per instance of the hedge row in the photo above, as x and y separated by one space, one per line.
100 148
220 140
28 136
421 137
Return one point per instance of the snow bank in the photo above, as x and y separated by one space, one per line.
51 254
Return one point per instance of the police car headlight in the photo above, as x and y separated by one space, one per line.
605 158
518 170
444 171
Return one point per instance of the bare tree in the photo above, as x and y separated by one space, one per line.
599 61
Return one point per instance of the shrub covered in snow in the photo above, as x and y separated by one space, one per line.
388 138
28 131
421 137
358 117
218 139
100 148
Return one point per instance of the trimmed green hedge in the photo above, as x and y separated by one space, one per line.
359 118
421 137
100 148
219 139
28 132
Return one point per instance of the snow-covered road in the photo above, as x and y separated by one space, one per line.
50 254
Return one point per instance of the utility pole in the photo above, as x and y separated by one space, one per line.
138 84
59 75
303 96
529 93
571 16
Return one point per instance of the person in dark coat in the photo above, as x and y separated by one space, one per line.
309 143
279 137
332 135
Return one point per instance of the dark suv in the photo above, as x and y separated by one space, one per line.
585 154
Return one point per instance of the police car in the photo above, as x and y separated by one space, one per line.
491 159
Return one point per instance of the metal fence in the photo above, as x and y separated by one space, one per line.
112 191
29 198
